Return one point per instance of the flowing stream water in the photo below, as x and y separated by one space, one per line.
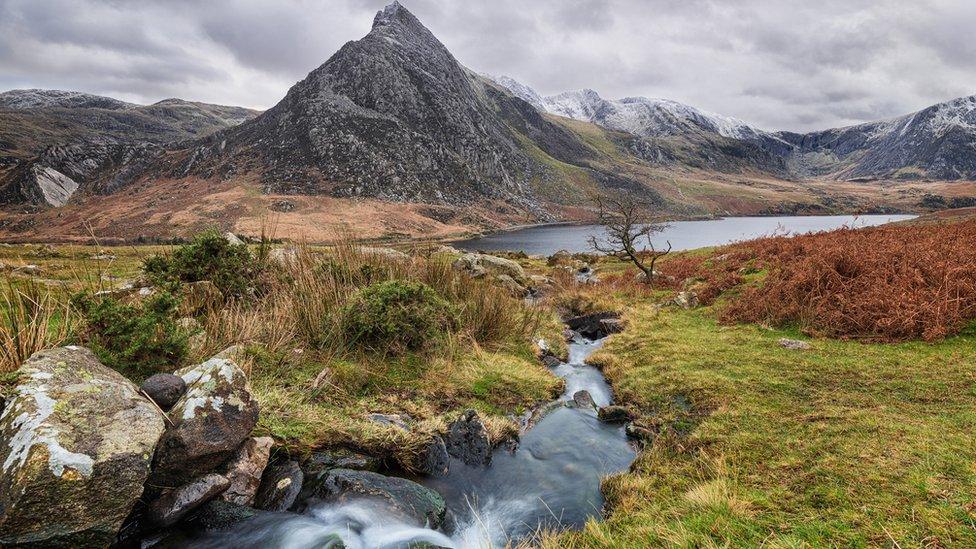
551 481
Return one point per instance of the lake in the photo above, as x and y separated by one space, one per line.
683 235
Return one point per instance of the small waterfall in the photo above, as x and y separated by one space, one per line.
551 482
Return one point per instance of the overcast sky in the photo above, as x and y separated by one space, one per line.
778 64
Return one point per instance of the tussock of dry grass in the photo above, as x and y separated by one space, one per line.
31 319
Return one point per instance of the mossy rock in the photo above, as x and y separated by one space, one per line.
76 441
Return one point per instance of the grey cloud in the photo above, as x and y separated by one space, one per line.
780 64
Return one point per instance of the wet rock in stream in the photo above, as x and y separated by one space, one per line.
467 439
422 505
592 326
280 487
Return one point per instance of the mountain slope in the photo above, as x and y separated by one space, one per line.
91 143
668 132
938 142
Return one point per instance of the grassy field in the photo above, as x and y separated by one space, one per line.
846 444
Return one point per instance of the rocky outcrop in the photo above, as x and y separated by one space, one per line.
208 424
245 469
421 505
594 325
45 186
77 443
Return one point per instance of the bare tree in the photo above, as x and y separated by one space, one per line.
628 224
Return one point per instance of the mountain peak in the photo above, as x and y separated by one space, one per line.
392 13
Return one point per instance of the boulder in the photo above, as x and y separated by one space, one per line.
561 257
245 469
174 504
479 264
640 431
340 458
794 344
197 297
208 424
615 414
76 439
686 300
164 389
467 439
591 326
232 239
388 253
400 421
583 399
283 256
414 502
435 459
511 286
551 362
280 487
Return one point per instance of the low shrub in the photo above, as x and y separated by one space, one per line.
232 268
137 340
397 316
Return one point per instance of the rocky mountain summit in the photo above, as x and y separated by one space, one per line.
938 142
392 116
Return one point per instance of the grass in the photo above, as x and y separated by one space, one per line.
848 444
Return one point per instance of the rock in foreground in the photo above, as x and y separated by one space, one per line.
414 502
208 424
77 440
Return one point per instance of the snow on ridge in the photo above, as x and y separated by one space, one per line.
39 98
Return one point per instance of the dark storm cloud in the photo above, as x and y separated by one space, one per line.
780 64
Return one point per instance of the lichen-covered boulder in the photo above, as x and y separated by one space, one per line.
479 264
76 440
208 424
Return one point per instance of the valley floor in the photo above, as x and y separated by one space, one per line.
160 210
755 444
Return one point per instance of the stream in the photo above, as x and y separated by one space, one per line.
552 481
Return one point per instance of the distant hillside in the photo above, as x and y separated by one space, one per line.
93 143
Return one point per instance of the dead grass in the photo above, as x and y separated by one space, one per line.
31 319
